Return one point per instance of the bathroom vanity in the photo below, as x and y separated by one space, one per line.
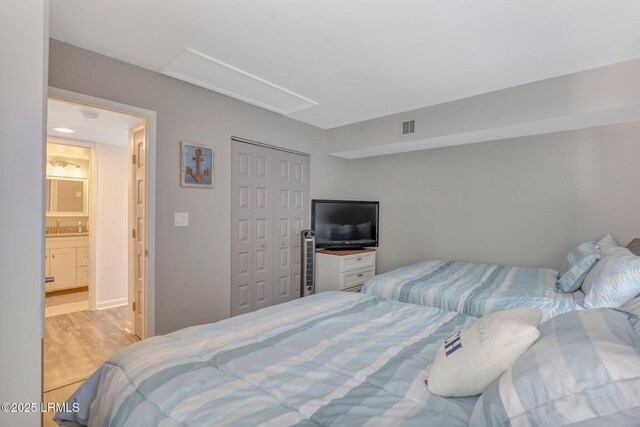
67 260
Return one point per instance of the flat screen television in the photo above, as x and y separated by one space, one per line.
345 224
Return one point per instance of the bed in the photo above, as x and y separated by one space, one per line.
474 289
334 358
347 359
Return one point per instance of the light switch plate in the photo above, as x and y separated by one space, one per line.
181 219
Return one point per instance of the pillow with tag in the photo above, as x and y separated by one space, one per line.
471 359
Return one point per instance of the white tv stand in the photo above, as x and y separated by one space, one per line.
344 270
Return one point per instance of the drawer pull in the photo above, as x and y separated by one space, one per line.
359 259
361 274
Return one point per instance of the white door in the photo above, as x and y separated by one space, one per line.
290 214
268 210
299 214
138 247
242 228
262 218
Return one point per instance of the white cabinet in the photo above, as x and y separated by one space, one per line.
67 260
62 266
344 270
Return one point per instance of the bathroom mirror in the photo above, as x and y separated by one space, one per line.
66 196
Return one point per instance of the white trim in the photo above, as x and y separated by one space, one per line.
112 303
307 103
151 118
271 147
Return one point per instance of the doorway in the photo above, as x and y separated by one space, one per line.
98 206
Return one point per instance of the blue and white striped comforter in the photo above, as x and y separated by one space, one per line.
473 289
335 358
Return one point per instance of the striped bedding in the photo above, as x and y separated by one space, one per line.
334 358
473 289
584 369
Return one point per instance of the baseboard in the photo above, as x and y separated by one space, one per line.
101 305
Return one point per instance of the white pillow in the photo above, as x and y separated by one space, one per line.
470 360
607 244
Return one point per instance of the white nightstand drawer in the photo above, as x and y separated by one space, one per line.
357 277
355 261
357 289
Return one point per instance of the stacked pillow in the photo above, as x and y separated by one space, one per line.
614 281
608 274
607 244
577 265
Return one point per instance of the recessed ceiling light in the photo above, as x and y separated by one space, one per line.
64 130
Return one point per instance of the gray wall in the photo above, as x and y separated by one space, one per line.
523 201
193 263
23 49
600 96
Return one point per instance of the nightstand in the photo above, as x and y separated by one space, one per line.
344 270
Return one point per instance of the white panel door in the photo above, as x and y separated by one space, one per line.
299 214
283 230
290 217
269 208
262 227
242 197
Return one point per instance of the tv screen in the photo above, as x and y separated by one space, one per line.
344 224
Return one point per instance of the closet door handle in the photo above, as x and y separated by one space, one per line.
264 245
282 243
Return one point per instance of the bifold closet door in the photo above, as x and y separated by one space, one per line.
268 211
252 228
290 212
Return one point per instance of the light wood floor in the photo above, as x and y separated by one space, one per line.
75 345
66 301
66 296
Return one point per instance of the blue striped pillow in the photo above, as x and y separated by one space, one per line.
585 367
614 281
577 265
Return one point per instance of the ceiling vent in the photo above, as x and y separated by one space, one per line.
408 127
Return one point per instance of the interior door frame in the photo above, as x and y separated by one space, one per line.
150 190
92 205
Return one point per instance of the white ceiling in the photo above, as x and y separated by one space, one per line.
109 127
357 59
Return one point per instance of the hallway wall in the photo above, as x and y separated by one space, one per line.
112 225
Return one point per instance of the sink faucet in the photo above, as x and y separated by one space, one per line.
58 226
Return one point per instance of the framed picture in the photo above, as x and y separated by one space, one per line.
197 162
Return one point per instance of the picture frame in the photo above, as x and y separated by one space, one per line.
197 165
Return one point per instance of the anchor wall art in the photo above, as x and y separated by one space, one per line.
197 165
